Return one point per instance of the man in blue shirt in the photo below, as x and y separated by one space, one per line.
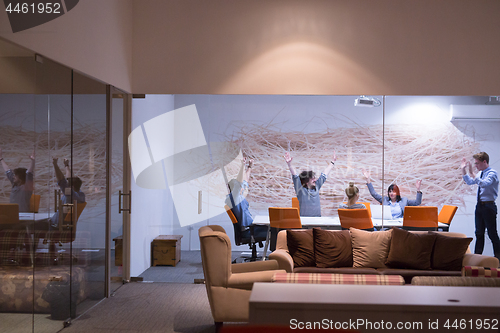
486 208
307 186
70 188
22 183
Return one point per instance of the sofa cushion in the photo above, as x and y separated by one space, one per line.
335 270
457 281
410 250
320 278
408 274
448 252
332 248
301 247
370 249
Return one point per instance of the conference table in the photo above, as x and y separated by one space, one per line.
331 223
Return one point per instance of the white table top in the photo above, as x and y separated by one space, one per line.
334 221
34 216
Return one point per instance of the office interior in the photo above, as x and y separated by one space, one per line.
289 83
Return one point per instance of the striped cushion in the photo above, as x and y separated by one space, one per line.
480 271
323 278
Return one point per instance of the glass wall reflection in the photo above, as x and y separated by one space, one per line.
408 141
52 212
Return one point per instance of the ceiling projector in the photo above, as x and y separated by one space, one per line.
366 101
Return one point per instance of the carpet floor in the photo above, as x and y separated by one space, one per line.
167 300
149 307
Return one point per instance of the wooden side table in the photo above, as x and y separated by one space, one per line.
166 250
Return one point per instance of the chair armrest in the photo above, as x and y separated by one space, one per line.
254 266
284 259
479 260
246 280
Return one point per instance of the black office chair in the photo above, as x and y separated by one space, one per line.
245 237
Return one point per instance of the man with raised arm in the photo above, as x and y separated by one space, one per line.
70 188
307 186
486 208
22 183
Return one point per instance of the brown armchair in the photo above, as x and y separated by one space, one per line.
229 285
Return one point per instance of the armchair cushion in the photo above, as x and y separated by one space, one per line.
254 266
301 247
246 280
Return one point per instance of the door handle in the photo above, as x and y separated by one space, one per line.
120 209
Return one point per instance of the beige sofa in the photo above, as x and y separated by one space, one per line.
392 252
229 285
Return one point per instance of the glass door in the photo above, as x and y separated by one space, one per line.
51 250
54 255
119 186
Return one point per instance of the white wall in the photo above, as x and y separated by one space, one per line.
152 210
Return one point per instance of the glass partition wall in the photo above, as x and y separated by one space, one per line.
414 142
53 123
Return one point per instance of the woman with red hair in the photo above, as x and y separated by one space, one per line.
393 198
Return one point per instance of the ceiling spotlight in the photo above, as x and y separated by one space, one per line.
367 101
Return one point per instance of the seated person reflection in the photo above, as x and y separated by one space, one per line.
70 189
393 198
352 193
239 205
21 180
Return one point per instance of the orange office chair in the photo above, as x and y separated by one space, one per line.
9 213
241 238
420 218
295 203
66 232
13 238
284 218
356 218
35 203
446 215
